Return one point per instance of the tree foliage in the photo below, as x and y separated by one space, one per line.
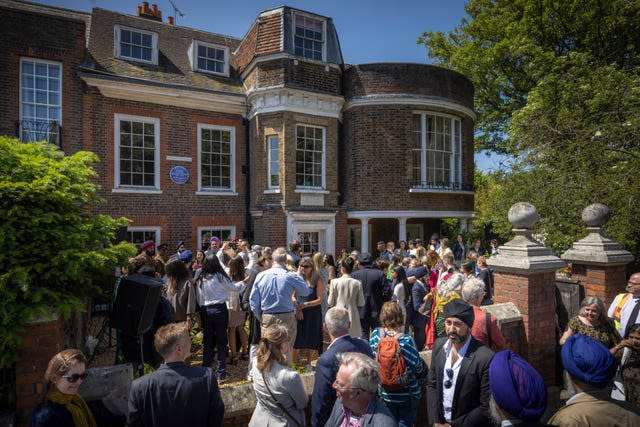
557 86
51 245
506 47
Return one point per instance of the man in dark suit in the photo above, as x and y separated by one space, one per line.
175 394
373 283
458 385
324 395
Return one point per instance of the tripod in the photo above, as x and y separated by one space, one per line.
104 338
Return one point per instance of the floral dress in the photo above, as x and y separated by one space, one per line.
605 332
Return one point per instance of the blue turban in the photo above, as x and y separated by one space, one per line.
186 256
517 387
418 272
588 360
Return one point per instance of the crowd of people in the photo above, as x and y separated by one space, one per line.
378 313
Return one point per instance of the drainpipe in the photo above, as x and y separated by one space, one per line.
246 171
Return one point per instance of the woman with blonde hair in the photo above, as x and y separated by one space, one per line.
309 315
280 395
62 405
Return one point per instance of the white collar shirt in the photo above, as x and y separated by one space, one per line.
447 393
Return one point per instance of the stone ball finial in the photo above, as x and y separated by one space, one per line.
596 215
522 215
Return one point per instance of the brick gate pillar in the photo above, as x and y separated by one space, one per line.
40 340
524 273
598 264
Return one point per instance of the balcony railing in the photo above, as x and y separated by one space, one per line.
39 130
441 186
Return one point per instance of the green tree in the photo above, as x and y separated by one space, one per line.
51 245
557 86
506 47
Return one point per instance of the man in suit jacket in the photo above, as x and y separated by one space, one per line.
373 282
324 395
175 394
458 384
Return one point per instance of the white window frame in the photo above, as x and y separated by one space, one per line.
118 187
49 131
156 230
154 44
232 167
271 161
231 229
323 185
324 35
455 159
193 57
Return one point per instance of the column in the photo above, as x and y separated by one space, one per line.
598 264
364 235
402 229
524 274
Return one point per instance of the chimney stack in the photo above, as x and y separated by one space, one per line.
153 13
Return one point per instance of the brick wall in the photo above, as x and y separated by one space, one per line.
45 37
178 210
376 151
41 340
534 295
284 126
604 282
417 79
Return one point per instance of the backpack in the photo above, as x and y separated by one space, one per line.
393 368
387 290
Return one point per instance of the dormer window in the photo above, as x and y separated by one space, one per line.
309 37
136 45
209 58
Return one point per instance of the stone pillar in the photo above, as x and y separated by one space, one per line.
524 274
41 339
364 234
598 264
402 229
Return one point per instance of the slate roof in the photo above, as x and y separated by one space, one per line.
173 66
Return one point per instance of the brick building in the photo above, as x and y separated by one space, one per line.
271 136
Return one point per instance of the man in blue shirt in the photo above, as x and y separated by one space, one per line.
271 296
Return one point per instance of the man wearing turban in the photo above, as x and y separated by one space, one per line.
591 367
458 384
518 393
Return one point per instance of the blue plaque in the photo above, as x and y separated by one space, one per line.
179 174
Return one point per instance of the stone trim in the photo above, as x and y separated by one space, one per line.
279 99
424 101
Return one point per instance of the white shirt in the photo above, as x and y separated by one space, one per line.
215 290
447 393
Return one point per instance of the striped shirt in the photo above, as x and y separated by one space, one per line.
414 364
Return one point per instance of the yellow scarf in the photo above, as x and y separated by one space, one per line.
75 404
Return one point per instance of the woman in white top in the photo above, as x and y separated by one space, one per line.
280 394
346 292
212 288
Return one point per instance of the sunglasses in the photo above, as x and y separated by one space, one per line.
448 383
75 377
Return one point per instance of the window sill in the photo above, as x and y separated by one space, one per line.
311 190
136 190
216 193
439 190
272 191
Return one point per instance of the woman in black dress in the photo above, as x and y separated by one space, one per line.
309 315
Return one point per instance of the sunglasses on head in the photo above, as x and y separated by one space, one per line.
75 377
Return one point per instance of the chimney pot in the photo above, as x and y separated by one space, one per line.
154 9
170 20
139 11
145 7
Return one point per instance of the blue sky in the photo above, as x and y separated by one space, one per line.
369 30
